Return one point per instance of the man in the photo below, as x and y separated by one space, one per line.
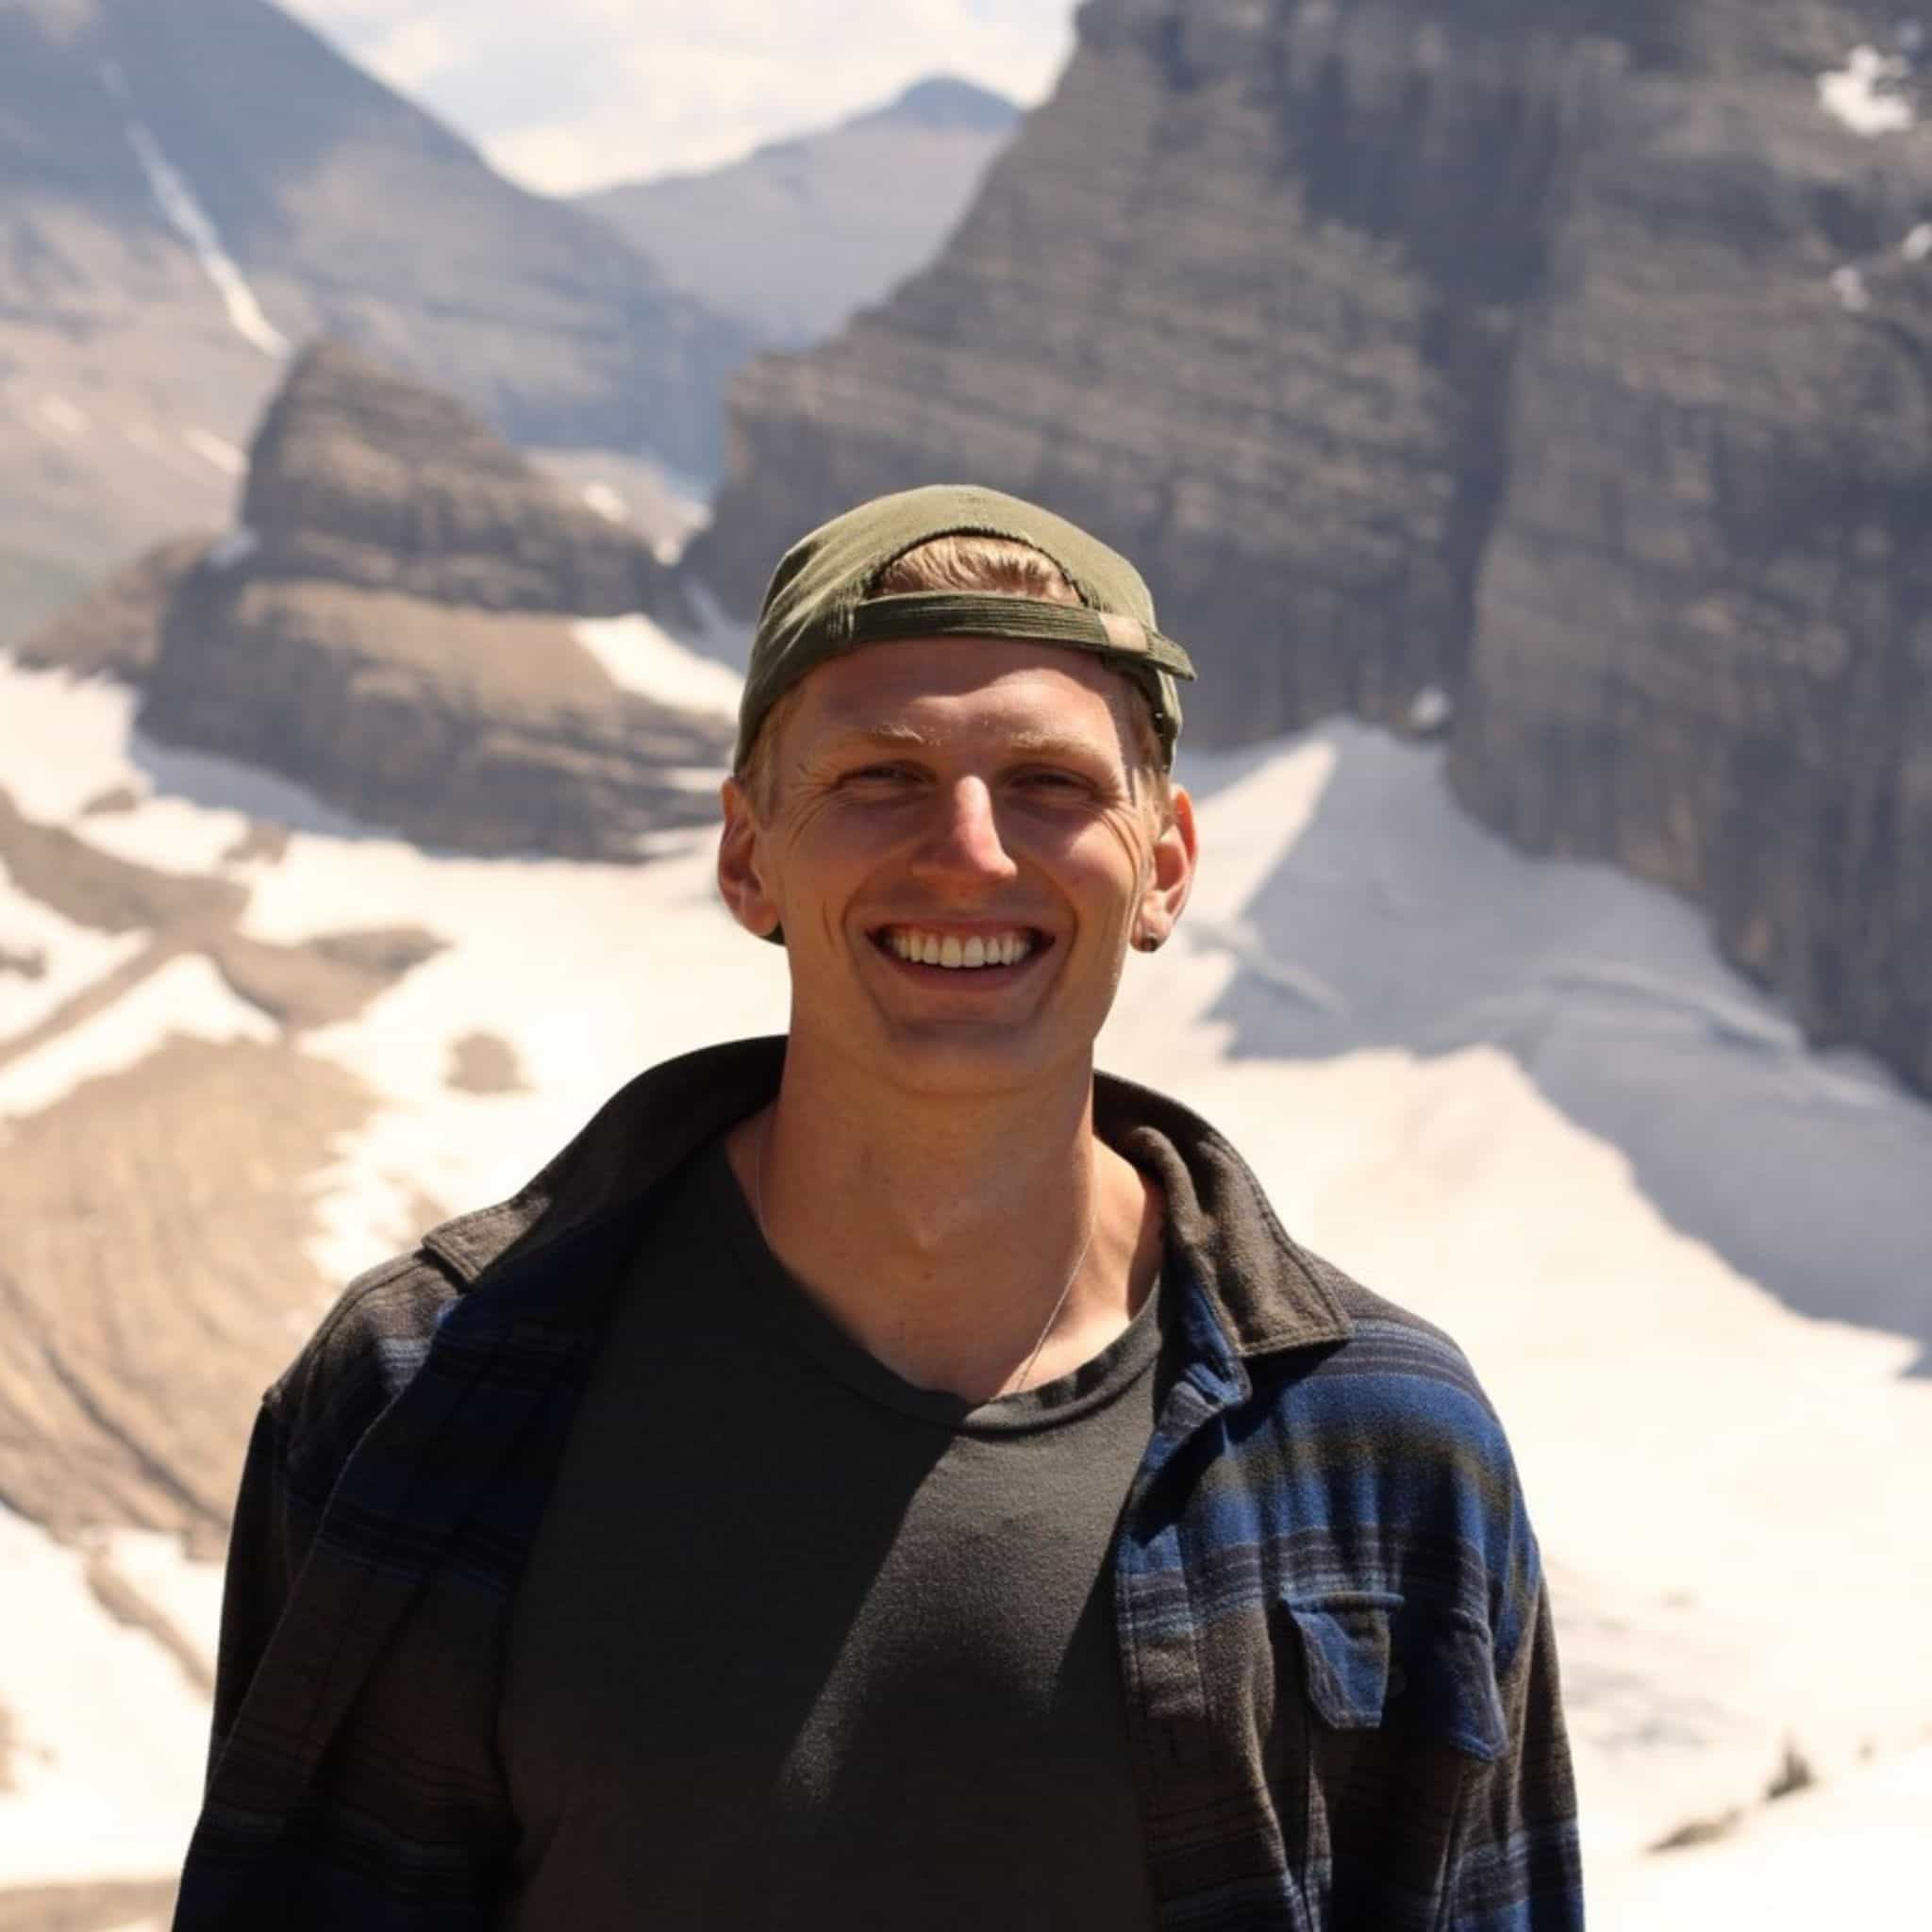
893 1475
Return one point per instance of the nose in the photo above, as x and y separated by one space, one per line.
964 844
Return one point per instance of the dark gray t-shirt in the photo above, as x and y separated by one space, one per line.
802 1646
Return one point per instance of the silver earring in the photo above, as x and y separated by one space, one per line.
1147 942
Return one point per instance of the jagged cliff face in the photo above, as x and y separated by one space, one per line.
395 628
1569 358
1703 639
1243 296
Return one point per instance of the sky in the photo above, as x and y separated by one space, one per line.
585 92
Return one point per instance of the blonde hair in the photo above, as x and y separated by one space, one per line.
962 562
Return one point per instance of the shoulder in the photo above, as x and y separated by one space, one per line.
1401 1463
1402 1370
364 1350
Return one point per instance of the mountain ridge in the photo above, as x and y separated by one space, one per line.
805 230
187 193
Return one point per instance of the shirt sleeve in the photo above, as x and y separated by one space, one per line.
1517 1865
274 1527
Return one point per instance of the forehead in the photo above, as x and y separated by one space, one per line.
952 684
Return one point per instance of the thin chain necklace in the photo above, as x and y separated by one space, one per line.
758 1213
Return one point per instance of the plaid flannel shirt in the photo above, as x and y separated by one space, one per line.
1334 1635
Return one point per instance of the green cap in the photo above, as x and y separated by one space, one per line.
819 603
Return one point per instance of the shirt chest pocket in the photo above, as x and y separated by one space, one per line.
1402 1709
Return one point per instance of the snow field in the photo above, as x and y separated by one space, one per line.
589 973
1850 1852
1717 1482
108 1733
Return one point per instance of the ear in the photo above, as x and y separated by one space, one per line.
1171 878
740 864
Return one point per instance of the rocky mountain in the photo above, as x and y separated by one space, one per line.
187 191
1561 370
397 625
797 237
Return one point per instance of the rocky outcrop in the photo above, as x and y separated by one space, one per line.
1571 361
465 729
360 477
393 628
115 629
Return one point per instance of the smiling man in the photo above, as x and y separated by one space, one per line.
894 1474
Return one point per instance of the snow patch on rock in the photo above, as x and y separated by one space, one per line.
602 498
191 222
237 546
187 996
642 658
1868 94
1431 711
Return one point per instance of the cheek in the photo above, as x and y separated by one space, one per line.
824 851
1108 864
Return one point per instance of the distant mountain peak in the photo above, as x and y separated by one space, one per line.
793 238
946 101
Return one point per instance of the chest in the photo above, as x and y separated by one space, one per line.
883 1650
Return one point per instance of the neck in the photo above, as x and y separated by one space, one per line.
943 1232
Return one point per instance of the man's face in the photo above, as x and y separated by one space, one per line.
973 799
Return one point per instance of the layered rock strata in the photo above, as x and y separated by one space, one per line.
465 729
1563 365
361 476
1703 629
1242 297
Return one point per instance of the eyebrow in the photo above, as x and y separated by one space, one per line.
1034 744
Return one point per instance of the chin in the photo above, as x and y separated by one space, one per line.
967 1062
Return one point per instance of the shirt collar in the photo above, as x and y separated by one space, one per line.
1266 1291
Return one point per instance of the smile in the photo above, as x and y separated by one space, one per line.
918 947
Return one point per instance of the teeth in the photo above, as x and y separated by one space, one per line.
931 949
